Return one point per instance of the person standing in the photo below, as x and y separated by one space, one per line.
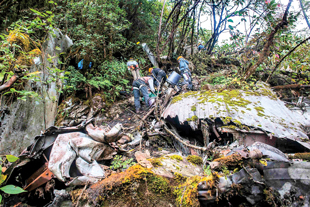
141 85
133 66
185 72
159 75
200 47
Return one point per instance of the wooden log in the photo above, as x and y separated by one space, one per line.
290 86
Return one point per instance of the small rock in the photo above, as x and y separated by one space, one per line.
225 152
142 159
193 152
124 139
171 166
214 164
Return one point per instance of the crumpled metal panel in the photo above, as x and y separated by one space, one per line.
283 176
278 120
66 149
85 150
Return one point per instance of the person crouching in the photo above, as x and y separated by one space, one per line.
141 85
159 75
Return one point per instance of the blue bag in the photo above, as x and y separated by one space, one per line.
80 64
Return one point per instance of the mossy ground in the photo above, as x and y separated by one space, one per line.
156 162
176 157
230 161
304 156
138 186
196 160
187 192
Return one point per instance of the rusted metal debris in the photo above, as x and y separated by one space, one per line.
40 177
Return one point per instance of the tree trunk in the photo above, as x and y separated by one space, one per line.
159 32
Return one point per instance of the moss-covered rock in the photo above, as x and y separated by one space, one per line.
194 159
187 192
136 186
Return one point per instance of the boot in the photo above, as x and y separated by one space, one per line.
138 111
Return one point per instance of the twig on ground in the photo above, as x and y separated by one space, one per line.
145 116
78 201
180 140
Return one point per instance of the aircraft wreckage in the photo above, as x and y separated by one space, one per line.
248 116
260 123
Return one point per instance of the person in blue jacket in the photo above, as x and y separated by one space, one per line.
159 75
200 47
185 72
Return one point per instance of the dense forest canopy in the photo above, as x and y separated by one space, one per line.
107 33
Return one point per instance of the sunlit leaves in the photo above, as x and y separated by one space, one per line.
11 158
12 189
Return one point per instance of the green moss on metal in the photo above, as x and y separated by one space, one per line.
193 118
193 108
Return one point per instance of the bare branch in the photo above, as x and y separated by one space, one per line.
304 12
9 83
292 50
269 42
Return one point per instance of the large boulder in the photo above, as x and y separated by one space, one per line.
23 120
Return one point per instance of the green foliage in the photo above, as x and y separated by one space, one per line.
207 170
110 77
73 79
94 26
20 47
118 163
220 80
298 61
8 189
11 158
12 189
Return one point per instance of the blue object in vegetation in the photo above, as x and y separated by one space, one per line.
80 65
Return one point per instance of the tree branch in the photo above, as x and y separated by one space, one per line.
269 42
292 50
159 29
304 12
9 83
176 26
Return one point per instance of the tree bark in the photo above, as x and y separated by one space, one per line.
159 31
193 31
173 29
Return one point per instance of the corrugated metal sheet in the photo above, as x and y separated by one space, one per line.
251 108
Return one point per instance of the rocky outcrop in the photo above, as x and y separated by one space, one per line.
23 120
